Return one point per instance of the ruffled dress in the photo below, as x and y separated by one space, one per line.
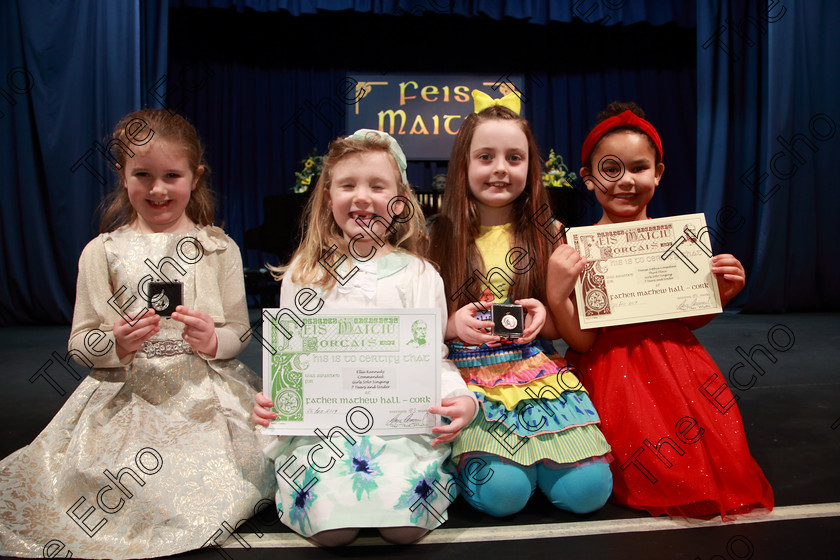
676 432
532 406
375 481
156 454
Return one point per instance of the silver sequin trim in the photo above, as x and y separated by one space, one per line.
152 348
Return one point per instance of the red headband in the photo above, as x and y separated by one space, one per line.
622 119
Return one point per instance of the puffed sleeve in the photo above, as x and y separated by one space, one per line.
92 333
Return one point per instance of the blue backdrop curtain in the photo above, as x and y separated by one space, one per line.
71 69
270 97
667 95
766 149
729 84
540 12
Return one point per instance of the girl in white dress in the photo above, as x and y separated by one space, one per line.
391 483
154 453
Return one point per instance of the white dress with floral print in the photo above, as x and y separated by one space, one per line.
387 481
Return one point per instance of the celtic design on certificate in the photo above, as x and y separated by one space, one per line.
383 366
648 270
595 297
287 385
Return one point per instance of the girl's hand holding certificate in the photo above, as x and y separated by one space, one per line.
460 410
564 268
262 414
730 276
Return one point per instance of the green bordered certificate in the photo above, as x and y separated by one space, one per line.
373 371
647 270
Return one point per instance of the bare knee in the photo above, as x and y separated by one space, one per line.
336 537
402 535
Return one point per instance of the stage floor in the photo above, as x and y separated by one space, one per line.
791 417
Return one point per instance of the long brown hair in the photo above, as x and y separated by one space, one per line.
153 125
452 243
321 232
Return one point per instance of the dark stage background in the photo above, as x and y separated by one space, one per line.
743 93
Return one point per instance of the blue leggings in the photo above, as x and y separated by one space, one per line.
500 488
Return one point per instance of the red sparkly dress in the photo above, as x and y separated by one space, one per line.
674 426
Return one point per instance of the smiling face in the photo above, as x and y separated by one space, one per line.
361 186
498 169
625 166
159 182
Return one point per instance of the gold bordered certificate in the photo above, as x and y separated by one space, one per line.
375 371
643 271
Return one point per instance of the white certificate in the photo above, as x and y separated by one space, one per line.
644 271
372 371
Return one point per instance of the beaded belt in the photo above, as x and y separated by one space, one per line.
152 348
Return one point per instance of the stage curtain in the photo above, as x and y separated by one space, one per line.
270 97
754 98
667 95
69 69
766 146
605 12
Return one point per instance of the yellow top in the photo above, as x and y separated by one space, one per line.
493 243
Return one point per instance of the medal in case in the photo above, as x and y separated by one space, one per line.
508 320
164 297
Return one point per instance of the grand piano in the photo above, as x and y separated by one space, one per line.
279 234
280 231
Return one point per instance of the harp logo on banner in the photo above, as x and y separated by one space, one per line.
422 111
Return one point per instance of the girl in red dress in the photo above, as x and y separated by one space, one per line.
675 430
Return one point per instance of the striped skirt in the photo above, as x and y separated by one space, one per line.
533 406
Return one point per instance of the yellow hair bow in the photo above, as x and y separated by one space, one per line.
483 101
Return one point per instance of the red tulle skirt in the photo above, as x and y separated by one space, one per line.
675 430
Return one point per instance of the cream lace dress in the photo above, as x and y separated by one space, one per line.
156 454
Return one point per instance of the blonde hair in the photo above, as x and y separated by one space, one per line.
162 125
320 233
